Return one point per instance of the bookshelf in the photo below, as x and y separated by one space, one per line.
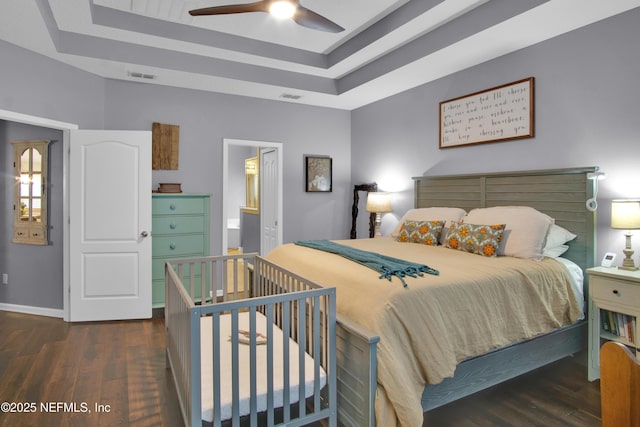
614 309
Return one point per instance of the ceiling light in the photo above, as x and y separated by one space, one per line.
282 9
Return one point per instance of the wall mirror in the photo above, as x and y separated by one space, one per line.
30 217
252 177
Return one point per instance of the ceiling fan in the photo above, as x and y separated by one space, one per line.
279 8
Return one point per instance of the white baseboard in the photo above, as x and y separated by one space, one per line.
38 311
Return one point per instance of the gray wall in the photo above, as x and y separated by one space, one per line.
205 119
587 112
35 272
35 85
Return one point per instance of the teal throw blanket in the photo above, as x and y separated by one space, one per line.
385 265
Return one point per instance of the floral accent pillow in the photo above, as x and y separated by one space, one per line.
425 232
478 239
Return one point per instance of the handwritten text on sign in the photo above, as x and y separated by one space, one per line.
496 114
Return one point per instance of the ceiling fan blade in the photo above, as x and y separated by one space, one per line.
310 19
259 6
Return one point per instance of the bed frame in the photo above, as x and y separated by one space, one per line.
561 194
303 310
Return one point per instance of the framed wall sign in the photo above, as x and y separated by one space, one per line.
501 113
318 174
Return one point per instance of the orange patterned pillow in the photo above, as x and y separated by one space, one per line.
425 232
477 239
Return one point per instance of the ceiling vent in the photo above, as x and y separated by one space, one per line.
138 75
290 96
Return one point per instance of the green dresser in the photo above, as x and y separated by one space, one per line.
180 230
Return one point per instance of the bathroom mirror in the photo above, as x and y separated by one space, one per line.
252 177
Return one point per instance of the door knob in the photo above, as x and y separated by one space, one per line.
144 234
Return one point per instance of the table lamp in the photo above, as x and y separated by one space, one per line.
378 202
625 215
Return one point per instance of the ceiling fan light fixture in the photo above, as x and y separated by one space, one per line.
282 9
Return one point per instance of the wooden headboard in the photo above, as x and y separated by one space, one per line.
560 193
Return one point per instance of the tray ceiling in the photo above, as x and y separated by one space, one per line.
387 47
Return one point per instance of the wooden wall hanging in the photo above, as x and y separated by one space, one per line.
165 146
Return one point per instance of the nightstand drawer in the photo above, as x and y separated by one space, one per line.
177 246
177 225
178 206
615 291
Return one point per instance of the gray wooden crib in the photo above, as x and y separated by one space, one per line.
250 342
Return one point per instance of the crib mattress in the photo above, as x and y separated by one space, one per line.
244 363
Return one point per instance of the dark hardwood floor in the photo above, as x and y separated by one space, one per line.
114 373
556 395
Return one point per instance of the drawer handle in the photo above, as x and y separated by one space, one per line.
172 246
172 207
615 292
172 226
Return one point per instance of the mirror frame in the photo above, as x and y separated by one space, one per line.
25 229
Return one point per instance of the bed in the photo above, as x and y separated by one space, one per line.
385 358
249 343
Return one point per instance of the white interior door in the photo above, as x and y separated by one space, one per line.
269 200
109 225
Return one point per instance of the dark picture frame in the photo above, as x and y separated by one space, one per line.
318 174
501 113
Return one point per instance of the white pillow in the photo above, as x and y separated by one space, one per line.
555 252
558 236
525 231
430 214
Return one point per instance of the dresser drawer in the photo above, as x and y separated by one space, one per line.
615 291
177 224
178 206
178 246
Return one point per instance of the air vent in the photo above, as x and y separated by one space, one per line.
290 96
137 75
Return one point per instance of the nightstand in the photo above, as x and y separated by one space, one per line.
614 310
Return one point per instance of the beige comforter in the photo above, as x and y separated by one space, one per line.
476 304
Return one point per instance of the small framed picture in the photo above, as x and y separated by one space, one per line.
318 178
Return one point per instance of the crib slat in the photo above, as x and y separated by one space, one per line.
316 354
235 278
215 332
302 343
286 327
235 375
203 282
253 368
196 402
270 405
192 290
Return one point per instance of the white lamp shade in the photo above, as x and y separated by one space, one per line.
625 214
378 202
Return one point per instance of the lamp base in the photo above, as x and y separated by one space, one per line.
627 263
378 223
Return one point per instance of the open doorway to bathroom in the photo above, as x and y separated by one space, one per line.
252 196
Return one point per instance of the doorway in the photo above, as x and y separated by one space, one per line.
270 229
42 122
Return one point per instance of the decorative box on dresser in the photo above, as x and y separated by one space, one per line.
614 310
180 230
